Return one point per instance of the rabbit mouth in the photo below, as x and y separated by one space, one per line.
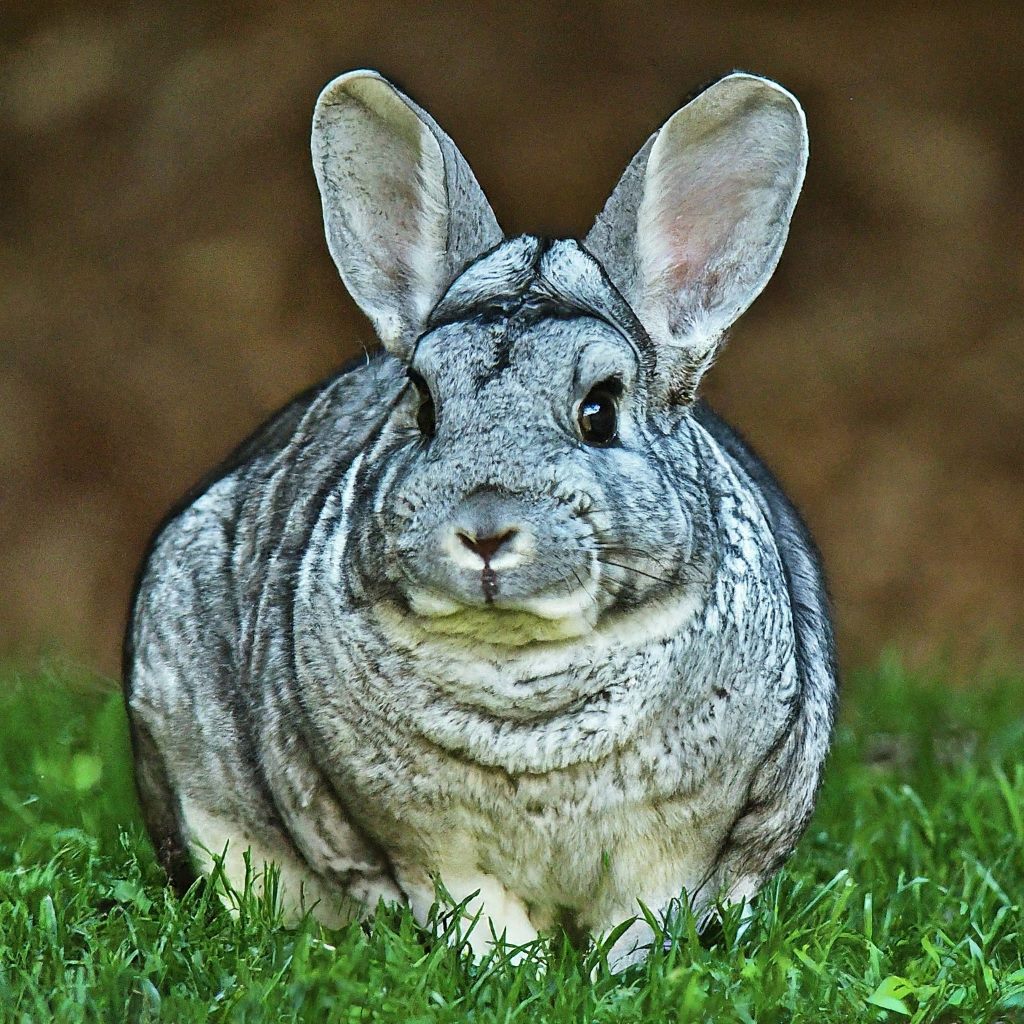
506 622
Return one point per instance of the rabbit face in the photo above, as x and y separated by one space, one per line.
523 501
538 470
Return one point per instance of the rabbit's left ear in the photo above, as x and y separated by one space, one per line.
696 225
403 212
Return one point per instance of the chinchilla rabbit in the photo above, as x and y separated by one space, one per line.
504 607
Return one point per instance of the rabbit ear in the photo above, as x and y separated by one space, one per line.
695 227
402 210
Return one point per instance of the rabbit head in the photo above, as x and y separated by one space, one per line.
534 473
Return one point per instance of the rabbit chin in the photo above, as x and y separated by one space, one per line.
529 621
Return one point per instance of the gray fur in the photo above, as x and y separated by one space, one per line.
634 700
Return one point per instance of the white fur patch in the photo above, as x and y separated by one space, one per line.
490 911
213 839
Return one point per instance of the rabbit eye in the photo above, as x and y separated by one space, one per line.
425 414
596 418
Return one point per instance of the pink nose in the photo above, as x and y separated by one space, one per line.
486 547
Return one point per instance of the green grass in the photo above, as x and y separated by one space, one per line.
902 903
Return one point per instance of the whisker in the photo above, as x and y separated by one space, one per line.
639 572
605 545
583 587
630 552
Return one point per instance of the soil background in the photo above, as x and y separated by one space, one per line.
164 283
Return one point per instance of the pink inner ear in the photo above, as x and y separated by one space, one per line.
694 228
718 191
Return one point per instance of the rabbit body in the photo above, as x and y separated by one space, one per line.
434 624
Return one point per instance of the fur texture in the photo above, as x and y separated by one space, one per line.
418 631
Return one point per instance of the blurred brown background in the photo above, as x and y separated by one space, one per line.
164 283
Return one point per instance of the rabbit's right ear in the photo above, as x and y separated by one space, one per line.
403 212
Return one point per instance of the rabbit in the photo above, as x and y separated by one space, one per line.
503 611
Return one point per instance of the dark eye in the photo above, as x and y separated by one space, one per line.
425 413
597 418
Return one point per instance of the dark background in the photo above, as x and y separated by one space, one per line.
164 283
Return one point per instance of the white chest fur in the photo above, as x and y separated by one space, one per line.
575 780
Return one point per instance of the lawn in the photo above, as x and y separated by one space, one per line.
901 904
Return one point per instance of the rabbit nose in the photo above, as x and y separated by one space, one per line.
486 547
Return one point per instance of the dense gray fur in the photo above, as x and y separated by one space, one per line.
633 698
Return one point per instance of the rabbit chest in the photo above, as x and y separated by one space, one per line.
567 775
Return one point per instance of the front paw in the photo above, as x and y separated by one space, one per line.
476 910
625 946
